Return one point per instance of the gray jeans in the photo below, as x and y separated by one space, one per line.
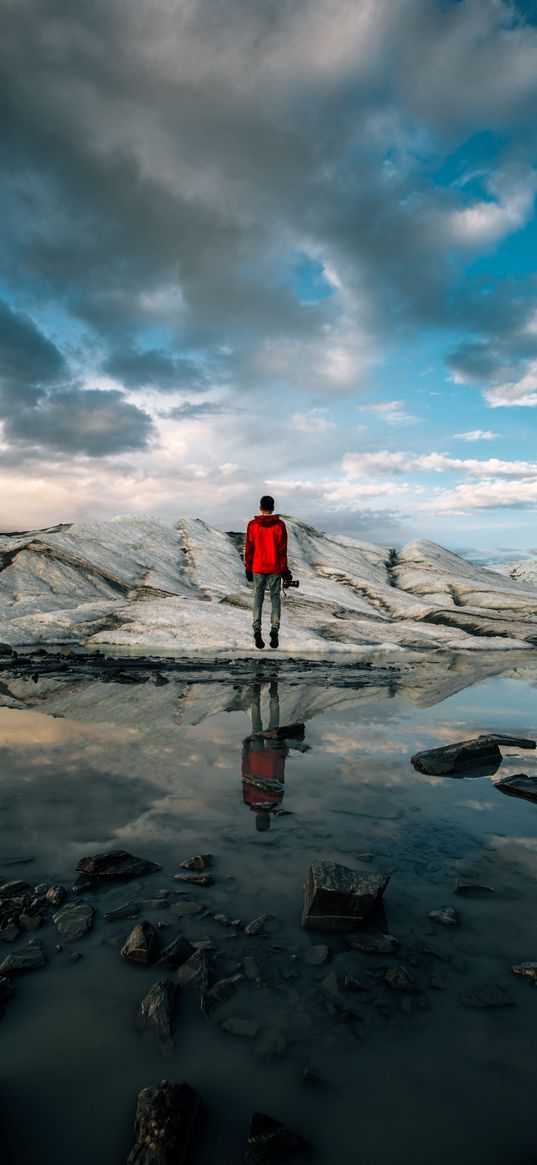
273 582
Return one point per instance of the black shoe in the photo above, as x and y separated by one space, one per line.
274 640
259 641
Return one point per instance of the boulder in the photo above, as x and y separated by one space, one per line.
156 1013
259 924
373 944
527 971
165 1125
115 865
216 996
238 1026
187 906
339 899
316 956
270 1141
199 862
8 889
176 953
127 910
142 945
480 756
445 917
73 921
55 895
399 979
489 996
28 958
519 785
196 879
473 889
195 971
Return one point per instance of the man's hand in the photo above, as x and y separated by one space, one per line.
286 577
249 575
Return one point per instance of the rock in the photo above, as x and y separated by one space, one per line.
446 917
352 982
115 865
225 921
28 958
73 921
55 895
527 971
187 906
142 945
156 1013
165 1125
473 889
199 862
259 924
9 932
250 968
364 857
491 996
316 956
373 944
74 956
399 979
127 910
6 989
155 904
283 732
270 1141
311 1078
196 879
8 889
241 1027
195 971
481 753
216 996
519 785
176 953
272 1043
30 921
338 898
162 895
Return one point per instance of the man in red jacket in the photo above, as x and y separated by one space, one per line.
265 562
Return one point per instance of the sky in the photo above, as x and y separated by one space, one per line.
280 246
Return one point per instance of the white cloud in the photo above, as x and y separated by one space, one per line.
486 495
314 421
477 435
355 465
391 411
520 393
488 221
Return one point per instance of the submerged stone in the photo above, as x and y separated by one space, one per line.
195 971
373 944
187 906
445 917
461 758
527 971
156 1013
165 1125
176 953
316 956
28 958
196 879
115 865
127 910
238 1026
519 785
490 996
399 979
142 945
338 898
216 996
73 921
473 889
17 886
269 1141
260 924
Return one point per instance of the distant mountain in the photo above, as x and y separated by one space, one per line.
146 584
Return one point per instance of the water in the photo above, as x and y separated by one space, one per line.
158 771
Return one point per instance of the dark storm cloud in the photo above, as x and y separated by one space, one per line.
28 361
155 368
189 411
87 421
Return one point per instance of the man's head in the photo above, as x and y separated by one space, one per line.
266 504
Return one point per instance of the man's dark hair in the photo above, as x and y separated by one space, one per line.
266 503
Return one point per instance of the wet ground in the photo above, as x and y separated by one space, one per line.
163 771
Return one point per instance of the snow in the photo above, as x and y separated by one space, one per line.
146 584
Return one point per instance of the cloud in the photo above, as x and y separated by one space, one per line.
520 393
315 421
490 494
29 361
391 411
90 421
155 368
477 435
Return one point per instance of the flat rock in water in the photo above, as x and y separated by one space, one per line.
115 864
216 996
156 1013
73 921
459 759
241 1027
199 862
338 898
399 979
519 785
196 879
316 956
488 997
187 906
445 917
373 944
286 730
195 971
165 1125
473 889
8 889
260 924
127 910
28 958
176 953
526 971
270 1141
142 945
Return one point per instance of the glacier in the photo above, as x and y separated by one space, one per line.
142 584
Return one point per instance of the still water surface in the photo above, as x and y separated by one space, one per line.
159 771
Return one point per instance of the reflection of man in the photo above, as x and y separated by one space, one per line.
263 762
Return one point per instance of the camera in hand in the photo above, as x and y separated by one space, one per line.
294 583
289 581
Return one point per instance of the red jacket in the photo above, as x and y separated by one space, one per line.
265 551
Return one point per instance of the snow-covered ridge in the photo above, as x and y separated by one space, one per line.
148 584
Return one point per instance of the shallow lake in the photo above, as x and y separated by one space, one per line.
163 771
